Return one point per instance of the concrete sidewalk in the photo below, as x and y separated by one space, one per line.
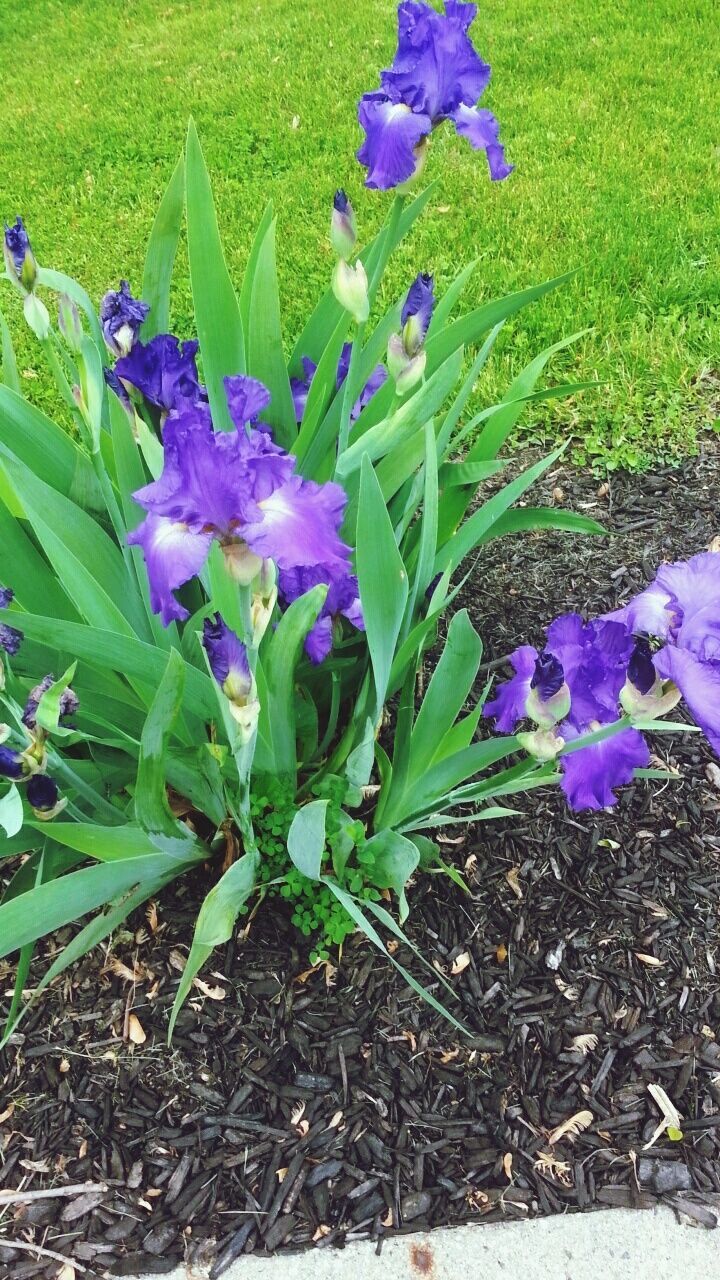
618 1244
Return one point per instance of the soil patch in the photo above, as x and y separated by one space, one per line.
300 1108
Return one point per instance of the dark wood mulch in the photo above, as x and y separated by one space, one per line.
298 1108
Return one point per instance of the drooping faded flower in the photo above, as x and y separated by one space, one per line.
121 318
10 637
69 702
586 665
342 601
436 75
19 257
236 487
164 370
682 608
43 796
300 387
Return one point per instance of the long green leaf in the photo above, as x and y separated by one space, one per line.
151 803
130 657
10 375
49 452
451 682
476 527
160 256
382 579
263 342
306 838
524 519
216 922
279 658
217 313
53 905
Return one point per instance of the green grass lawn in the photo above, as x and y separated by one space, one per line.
609 111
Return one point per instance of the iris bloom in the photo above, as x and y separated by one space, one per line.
593 660
238 488
121 317
342 601
164 370
69 702
300 387
682 608
436 75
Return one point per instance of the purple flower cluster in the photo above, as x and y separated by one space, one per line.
587 669
164 370
436 75
240 489
591 660
300 387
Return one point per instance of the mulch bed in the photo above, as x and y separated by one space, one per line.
326 1107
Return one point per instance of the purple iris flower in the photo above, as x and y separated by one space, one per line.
121 317
682 607
436 75
300 387
11 763
42 793
239 488
69 702
10 637
19 257
164 370
593 659
228 658
342 601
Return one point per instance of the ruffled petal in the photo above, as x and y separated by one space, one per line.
590 775
699 683
246 398
173 555
298 525
436 66
482 131
694 589
508 705
651 611
164 370
318 641
393 132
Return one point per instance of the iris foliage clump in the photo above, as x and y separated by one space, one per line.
218 585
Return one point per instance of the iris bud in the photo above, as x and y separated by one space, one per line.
36 314
19 257
548 701
241 563
12 764
228 661
343 227
644 693
421 155
69 323
406 371
542 744
350 286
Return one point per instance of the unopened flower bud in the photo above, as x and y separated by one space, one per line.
241 563
350 286
548 701
69 323
36 314
228 660
417 312
542 744
12 764
644 692
19 257
343 227
121 318
405 371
